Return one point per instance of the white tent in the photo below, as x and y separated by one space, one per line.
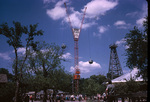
31 93
128 76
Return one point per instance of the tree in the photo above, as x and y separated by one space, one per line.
61 79
130 86
93 85
43 61
136 52
7 92
15 35
98 78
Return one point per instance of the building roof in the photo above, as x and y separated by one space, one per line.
128 76
3 78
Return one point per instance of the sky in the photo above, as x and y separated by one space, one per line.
106 22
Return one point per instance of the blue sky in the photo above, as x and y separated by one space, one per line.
106 22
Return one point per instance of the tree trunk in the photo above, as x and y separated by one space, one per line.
45 95
17 91
45 75
16 77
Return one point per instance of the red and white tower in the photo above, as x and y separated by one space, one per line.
76 34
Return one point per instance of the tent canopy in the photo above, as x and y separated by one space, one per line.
128 76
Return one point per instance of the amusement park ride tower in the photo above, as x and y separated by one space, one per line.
76 33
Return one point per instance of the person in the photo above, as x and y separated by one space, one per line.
104 96
51 97
26 98
109 91
31 98
61 97
72 97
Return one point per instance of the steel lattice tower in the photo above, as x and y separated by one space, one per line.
115 69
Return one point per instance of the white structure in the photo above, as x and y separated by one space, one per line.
128 76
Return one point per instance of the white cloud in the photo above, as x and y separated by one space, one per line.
87 25
67 56
117 23
85 67
141 15
139 22
56 13
120 42
5 56
21 50
60 3
121 24
75 19
102 29
99 7
126 46
97 34
95 8
48 1
132 14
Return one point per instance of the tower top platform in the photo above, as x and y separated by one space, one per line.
112 46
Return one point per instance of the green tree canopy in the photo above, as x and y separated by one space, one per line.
93 85
136 52
43 62
15 39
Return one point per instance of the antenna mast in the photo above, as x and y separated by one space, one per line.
76 33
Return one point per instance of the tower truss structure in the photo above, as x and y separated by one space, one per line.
115 69
76 34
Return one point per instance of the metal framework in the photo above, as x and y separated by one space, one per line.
76 34
115 69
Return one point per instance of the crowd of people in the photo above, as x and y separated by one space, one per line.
62 97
